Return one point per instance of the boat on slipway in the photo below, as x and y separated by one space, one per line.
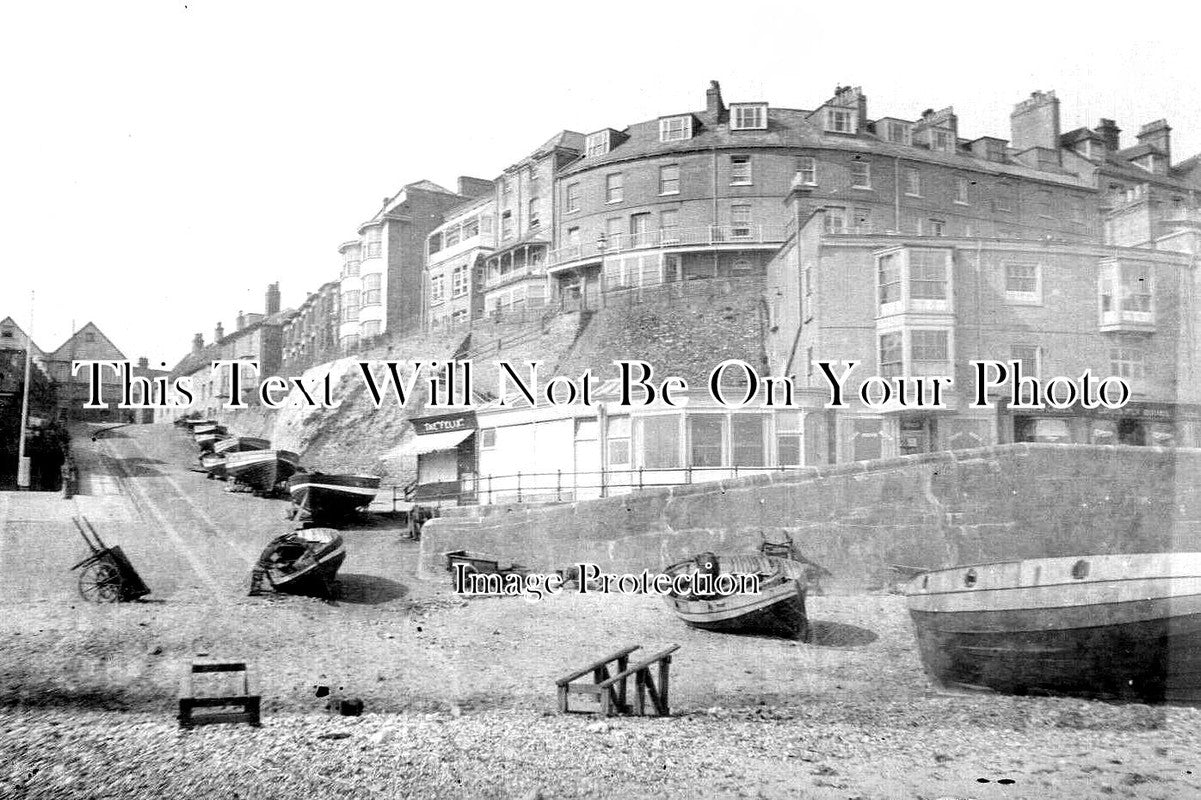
778 608
238 444
213 464
1106 626
320 495
261 469
304 561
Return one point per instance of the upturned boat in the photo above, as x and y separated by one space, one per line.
1109 626
777 609
304 561
320 495
238 444
261 469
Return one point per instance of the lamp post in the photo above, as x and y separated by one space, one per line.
22 460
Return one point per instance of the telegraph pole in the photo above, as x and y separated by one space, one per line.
22 460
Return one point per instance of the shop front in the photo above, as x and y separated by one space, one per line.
445 447
1139 424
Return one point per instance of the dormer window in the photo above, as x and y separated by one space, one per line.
1147 162
941 140
840 120
675 129
748 116
897 132
597 144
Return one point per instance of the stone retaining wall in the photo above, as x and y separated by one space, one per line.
858 520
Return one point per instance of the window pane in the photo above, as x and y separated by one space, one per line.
746 437
705 438
660 442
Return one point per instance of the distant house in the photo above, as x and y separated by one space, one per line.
87 344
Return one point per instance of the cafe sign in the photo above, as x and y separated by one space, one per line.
464 421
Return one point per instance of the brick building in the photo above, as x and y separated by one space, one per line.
383 271
311 337
515 273
456 251
256 337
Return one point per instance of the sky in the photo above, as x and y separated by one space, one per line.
164 161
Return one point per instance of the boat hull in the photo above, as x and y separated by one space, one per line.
317 495
1131 630
304 562
261 469
778 609
214 465
238 444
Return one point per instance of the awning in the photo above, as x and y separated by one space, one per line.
432 442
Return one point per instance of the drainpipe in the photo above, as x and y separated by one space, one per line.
713 225
896 190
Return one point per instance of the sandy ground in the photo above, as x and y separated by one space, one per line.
459 694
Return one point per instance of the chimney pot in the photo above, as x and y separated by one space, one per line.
143 362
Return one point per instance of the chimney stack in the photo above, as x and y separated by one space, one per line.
218 332
197 343
143 362
713 103
240 322
1158 134
1035 122
272 298
1110 132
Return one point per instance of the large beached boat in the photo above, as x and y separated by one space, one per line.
777 609
1113 626
320 495
261 469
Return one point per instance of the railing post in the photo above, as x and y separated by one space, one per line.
558 485
519 487
640 477
489 488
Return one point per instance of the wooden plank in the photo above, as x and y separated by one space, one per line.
625 651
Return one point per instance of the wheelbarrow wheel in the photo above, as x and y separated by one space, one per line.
100 583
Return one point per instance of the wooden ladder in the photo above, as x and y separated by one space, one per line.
247 703
610 690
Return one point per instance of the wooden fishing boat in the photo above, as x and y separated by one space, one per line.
304 561
261 469
238 444
192 424
213 464
319 495
207 427
208 441
1111 626
777 609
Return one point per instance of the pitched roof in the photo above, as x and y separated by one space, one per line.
77 343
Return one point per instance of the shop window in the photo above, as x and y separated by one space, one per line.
705 440
867 439
619 442
746 440
660 441
790 438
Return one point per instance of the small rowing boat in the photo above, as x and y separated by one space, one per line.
777 609
1115 626
304 561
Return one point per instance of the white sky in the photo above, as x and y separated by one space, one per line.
164 161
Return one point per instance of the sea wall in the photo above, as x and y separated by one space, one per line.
859 520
